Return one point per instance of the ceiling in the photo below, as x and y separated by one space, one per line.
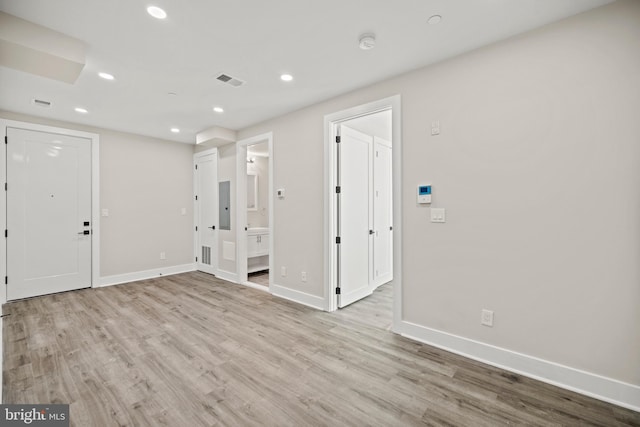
255 41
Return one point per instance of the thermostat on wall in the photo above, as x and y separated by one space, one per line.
424 194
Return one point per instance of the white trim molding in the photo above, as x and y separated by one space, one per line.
226 275
118 279
586 383
303 298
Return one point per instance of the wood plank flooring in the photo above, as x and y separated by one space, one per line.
193 350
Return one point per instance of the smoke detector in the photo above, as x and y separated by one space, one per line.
367 41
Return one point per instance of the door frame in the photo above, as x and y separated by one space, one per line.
95 193
241 200
331 122
196 213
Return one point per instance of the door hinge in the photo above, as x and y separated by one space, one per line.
6 139
5 186
337 240
196 197
6 280
196 259
338 139
196 167
338 291
338 189
196 228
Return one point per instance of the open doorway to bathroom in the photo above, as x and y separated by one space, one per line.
255 243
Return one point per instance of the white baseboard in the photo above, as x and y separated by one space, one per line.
596 386
146 274
227 275
255 286
297 296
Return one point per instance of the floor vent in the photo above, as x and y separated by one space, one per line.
230 80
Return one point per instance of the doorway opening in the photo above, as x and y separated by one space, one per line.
255 211
363 205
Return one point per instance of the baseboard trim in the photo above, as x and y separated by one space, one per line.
118 279
297 296
592 385
226 275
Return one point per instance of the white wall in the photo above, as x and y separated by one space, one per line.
537 164
145 183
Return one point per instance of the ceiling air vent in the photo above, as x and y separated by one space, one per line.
41 103
230 80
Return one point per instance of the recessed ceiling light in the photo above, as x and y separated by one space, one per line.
81 110
156 12
435 19
218 109
286 77
106 76
175 130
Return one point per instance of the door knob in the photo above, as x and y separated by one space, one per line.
371 231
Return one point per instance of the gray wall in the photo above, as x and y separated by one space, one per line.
538 167
144 182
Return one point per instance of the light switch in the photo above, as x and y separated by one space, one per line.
438 215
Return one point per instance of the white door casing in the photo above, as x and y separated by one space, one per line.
206 210
355 215
49 213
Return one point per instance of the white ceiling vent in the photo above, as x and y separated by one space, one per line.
224 78
41 103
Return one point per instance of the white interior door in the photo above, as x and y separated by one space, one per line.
206 211
48 213
382 213
355 216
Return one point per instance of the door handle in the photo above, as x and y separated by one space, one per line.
84 232
371 232
213 227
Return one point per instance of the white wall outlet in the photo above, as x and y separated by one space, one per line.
163 255
303 276
438 215
283 271
435 127
486 317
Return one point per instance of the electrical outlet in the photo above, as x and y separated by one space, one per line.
303 276
163 255
283 271
486 318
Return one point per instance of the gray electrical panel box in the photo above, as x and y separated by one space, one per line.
224 193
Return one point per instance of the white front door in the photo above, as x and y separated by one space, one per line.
206 211
48 213
355 215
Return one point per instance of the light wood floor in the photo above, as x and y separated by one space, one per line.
192 350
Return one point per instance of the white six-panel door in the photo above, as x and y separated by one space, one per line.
48 213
